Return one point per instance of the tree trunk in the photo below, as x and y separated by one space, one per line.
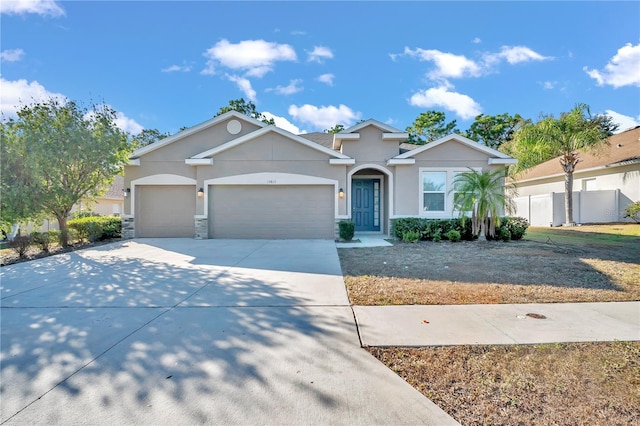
568 198
64 233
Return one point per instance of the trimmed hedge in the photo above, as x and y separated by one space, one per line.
436 229
347 229
96 228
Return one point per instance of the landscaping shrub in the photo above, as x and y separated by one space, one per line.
94 228
633 212
347 229
42 240
20 244
411 236
505 234
80 215
54 236
517 226
453 236
431 228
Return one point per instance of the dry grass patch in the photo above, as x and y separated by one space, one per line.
550 265
553 384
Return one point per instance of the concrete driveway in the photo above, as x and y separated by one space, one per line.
180 331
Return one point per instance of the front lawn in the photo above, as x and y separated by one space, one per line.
580 264
567 383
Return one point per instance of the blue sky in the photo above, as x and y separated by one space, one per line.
311 65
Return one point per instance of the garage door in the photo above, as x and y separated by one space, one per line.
282 211
165 211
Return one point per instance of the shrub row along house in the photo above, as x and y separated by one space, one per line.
236 177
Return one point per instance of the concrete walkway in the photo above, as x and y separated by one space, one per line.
497 324
365 240
181 331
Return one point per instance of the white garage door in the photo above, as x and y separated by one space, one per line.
279 211
165 211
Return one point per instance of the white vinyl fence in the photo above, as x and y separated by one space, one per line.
588 207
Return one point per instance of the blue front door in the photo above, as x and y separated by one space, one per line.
365 204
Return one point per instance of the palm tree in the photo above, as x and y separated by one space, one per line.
484 194
562 137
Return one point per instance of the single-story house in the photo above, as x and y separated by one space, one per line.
236 177
604 184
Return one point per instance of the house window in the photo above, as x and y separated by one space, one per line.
456 188
434 187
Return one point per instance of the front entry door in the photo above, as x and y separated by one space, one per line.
365 205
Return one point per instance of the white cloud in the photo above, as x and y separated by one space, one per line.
254 57
448 65
476 40
40 7
18 93
177 68
516 54
464 106
324 117
244 85
319 54
624 122
548 85
121 121
622 70
326 79
283 123
288 90
11 55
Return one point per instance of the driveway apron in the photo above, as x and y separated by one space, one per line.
182 331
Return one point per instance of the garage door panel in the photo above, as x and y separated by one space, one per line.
282 211
165 211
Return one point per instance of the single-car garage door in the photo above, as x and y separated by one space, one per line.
278 211
165 210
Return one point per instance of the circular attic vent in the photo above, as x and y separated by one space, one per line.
234 127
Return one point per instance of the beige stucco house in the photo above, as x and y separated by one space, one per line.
236 177
604 184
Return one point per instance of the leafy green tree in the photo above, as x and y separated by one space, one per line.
335 129
561 137
430 126
484 194
147 137
494 130
68 154
246 108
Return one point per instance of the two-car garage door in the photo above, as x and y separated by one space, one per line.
278 211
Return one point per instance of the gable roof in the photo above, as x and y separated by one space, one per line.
458 138
624 148
321 138
268 129
371 122
195 129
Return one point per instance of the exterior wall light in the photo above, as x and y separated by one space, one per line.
126 192
341 193
200 193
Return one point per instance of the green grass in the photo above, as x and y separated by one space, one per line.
614 235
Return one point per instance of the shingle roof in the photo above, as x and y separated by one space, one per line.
115 190
321 138
624 147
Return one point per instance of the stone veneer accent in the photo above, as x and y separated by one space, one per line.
202 228
128 228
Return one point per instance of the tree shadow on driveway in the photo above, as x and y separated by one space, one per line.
140 333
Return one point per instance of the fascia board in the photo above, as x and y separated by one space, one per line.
342 161
134 162
395 136
503 161
199 161
401 161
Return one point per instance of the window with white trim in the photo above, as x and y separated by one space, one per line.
434 191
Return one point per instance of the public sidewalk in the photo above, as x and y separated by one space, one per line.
436 325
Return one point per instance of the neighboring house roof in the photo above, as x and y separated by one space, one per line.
405 146
191 130
114 192
623 149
